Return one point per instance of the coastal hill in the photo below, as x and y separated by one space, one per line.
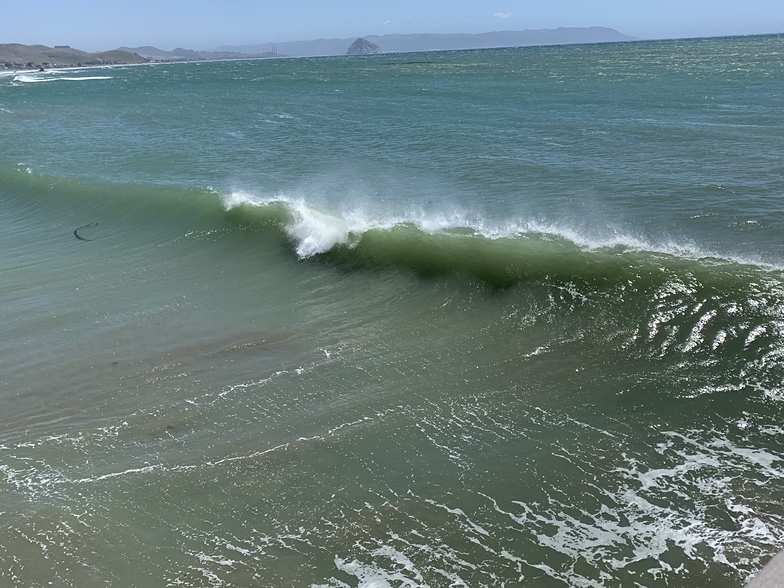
15 56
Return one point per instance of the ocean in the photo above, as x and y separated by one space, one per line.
509 317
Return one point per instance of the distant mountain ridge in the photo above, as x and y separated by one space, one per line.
440 42
17 56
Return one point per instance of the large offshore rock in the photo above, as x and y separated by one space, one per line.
363 47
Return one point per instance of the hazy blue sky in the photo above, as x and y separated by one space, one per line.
96 25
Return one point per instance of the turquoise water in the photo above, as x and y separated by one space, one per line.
509 317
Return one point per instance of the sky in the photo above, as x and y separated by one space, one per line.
97 25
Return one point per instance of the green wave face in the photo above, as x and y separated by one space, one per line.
499 257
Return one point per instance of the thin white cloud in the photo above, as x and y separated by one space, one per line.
503 15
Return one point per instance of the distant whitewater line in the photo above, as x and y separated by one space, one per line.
35 79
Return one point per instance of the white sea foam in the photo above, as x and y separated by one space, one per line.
400 572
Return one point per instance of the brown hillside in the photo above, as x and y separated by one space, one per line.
16 56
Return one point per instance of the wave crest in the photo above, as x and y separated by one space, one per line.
500 255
